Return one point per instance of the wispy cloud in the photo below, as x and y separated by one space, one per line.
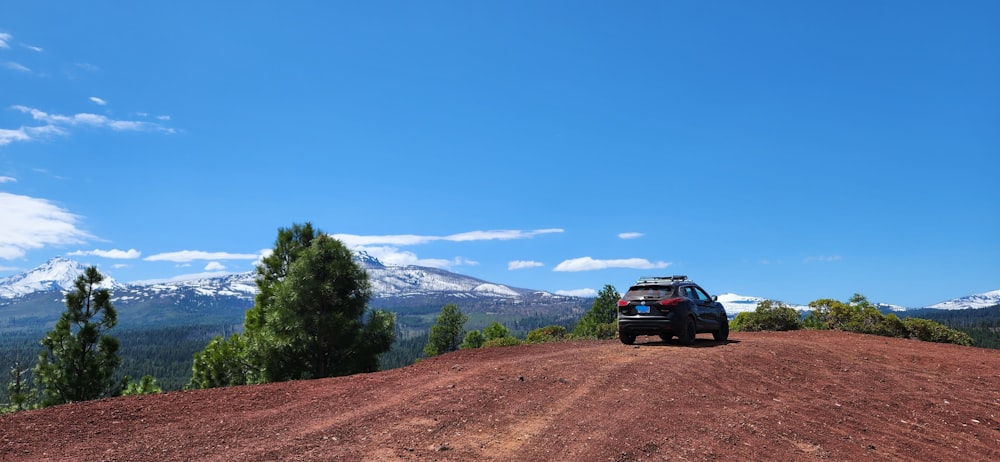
185 256
16 66
585 293
5 40
629 235
33 48
58 124
113 253
591 264
8 136
98 101
32 223
827 258
8 179
214 266
523 264
354 240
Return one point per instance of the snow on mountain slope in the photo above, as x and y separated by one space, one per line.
983 300
742 303
56 274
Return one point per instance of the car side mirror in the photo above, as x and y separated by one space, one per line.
715 298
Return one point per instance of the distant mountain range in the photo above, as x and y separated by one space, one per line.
37 295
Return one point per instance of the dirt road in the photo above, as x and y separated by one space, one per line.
762 396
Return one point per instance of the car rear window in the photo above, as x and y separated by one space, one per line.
648 292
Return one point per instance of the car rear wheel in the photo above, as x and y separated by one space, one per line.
687 333
627 339
722 334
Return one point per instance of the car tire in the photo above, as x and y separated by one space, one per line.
666 337
722 334
627 339
687 333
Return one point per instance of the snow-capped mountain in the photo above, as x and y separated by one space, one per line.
743 303
982 300
38 294
57 274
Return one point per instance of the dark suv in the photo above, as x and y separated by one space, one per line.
670 306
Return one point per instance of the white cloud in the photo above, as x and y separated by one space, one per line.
822 258
32 223
164 118
7 179
214 266
393 256
590 264
113 253
185 256
522 264
28 133
32 48
56 122
16 66
629 235
98 101
353 240
4 38
585 293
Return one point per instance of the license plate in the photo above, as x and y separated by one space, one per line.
642 309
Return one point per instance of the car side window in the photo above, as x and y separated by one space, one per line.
701 295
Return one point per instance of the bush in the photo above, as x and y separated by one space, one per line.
502 342
473 339
546 334
858 315
769 315
495 331
930 331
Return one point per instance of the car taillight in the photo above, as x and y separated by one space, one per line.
671 301
622 303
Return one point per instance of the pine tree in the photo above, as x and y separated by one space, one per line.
18 390
447 332
310 319
600 321
78 359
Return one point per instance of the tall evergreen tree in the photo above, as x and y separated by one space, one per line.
18 390
600 320
309 320
447 332
78 359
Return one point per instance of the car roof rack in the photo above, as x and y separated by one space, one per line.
655 279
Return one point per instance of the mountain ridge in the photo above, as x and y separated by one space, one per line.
391 285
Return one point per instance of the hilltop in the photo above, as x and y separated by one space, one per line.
800 395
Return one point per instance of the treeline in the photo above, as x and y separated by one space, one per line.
981 324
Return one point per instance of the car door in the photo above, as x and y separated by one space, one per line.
707 314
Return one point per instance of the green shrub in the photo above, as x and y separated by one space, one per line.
546 334
769 315
473 339
502 342
930 331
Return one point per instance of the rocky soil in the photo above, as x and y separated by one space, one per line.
804 395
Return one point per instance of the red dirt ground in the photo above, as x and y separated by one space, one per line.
762 396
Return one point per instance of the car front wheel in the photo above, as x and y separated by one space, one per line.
627 339
722 334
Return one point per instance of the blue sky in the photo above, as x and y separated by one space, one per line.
790 150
